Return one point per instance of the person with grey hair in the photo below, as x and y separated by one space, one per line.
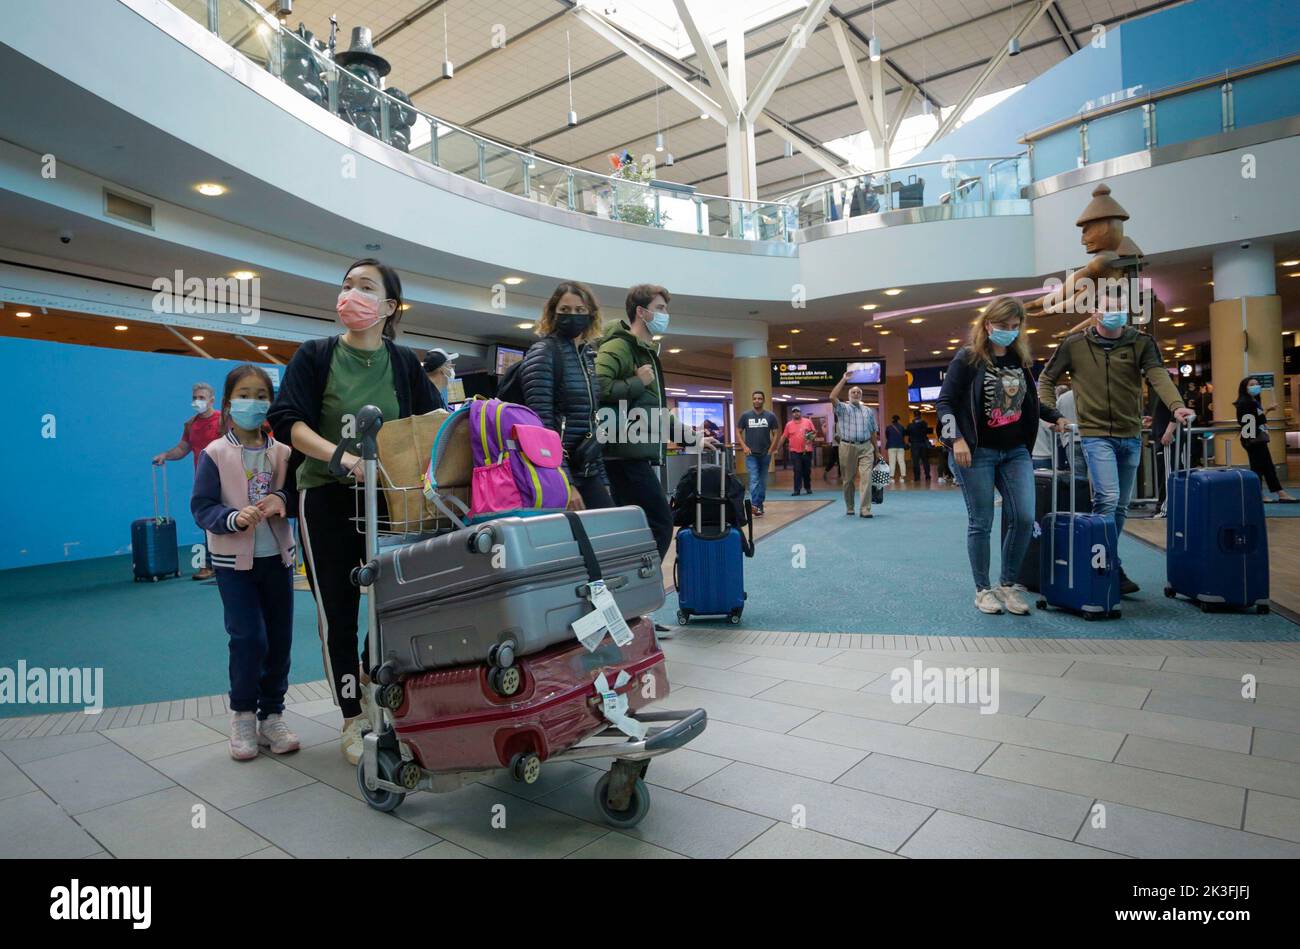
204 426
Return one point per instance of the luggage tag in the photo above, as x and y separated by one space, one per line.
604 603
590 629
614 706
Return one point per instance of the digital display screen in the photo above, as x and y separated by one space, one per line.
930 393
825 373
506 356
913 395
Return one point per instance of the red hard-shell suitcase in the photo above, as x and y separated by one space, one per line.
453 720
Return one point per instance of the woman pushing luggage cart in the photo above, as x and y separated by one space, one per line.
438 729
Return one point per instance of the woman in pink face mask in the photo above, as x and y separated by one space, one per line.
325 385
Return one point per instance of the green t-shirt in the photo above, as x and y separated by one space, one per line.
357 378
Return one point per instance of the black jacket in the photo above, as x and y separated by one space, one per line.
918 434
566 405
963 387
303 388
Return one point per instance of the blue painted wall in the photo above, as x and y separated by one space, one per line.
1181 44
74 496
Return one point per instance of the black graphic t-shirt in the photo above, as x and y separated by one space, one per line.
1001 403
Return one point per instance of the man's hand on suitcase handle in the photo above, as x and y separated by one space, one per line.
1185 415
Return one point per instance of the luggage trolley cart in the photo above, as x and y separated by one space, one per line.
389 769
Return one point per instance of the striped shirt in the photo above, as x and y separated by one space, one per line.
854 423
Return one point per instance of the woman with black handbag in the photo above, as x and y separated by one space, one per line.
1253 419
558 378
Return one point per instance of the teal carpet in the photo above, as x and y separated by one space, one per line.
905 571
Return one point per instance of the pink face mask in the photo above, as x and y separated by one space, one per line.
357 309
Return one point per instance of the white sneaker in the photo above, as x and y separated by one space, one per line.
367 706
243 735
1010 598
277 735
350 738
986 601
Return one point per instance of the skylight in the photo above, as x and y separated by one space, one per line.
656 21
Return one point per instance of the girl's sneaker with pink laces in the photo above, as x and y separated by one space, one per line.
243 735
277 736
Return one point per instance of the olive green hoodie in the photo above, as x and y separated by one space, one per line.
618 356
1107 383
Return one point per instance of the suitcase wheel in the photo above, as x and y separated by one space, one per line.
526 767
505 682
1113 614
1261 608
408 775
1169 592
1041 604
502 654
683 617
638 803
733 618
381 799
392 696
1090 616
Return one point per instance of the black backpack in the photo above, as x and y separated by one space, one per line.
685 499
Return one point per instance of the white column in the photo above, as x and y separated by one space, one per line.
742 168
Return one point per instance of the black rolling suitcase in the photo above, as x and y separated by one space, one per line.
912 194
1042 506
154 554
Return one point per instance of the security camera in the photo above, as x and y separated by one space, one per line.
65 237
1245 245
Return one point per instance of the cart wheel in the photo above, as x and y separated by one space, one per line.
683 617
1041 604
1089 616
1202 606
380 799
505 682
1262 608
1113 614
526 767
502 654
392 696
734 619
638 804
1169 592
408 775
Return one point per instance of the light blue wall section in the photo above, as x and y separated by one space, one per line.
1178 45
74 496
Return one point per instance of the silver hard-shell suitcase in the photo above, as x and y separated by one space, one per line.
508 587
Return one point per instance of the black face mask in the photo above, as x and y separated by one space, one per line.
572 325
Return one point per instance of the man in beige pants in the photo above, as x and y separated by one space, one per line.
859 436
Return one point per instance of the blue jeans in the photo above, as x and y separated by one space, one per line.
757 466
259 618
1012 473
1112 466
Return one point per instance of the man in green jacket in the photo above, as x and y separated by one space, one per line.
633 424
1106 363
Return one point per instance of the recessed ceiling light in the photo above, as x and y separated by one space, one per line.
958 341
22 314
524 326
884 332
951 348
985 289
782 346
406 306
674 351
121 328
197 339
1290 263
243 274
866 349
514 281
870 306
1296 274
1177 325
796 331
263 347
1163 319
893 293
831 339
936 352
916 319
1179 309
210 188
656 338
1027 332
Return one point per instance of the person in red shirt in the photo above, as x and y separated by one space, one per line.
801 434
202 427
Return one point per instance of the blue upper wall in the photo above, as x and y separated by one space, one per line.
1178 45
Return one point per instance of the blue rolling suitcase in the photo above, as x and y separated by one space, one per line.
154 554
1216 543
1077 569
709 572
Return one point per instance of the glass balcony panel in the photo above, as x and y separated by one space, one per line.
503 168
1120 133
635 203
549 183
246 31
458 151
1188 116
1056 153
1266 96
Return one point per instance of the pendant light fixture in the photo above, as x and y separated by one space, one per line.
873 44
447 69
1013 44
659 134
925 77
568 56
789 149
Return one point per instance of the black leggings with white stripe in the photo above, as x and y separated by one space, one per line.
332 546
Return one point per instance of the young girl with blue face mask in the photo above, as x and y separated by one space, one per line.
243 497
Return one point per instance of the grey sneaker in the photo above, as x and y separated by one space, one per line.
350 738
986 601
277 735
243 735
1010 598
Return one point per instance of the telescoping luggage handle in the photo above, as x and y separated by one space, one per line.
1073 431
721 456
166 505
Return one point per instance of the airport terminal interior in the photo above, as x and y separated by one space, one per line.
925 263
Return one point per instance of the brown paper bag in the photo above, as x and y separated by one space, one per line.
404 450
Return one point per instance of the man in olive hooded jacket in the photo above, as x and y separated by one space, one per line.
1106 363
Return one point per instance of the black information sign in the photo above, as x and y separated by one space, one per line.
825 373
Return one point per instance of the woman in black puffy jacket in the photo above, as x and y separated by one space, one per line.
558 377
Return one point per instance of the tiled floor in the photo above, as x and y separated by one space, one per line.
1100 748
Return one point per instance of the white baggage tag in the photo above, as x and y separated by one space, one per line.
603 600
614 706
590 629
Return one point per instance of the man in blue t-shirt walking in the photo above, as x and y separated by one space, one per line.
757 432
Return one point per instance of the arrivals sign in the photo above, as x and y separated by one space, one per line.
825 373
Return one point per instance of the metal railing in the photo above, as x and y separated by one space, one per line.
1251 95
303 64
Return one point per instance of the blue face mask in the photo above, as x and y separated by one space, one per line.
658 323
249 413
1004 337
1114 320
1254 390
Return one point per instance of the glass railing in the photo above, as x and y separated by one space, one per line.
301 61
1261 93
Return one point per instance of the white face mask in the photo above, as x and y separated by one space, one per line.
200 405
451 372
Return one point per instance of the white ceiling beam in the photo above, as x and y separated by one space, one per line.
850 62
650 63
785 57
709 60
900 112
991 67
811 151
